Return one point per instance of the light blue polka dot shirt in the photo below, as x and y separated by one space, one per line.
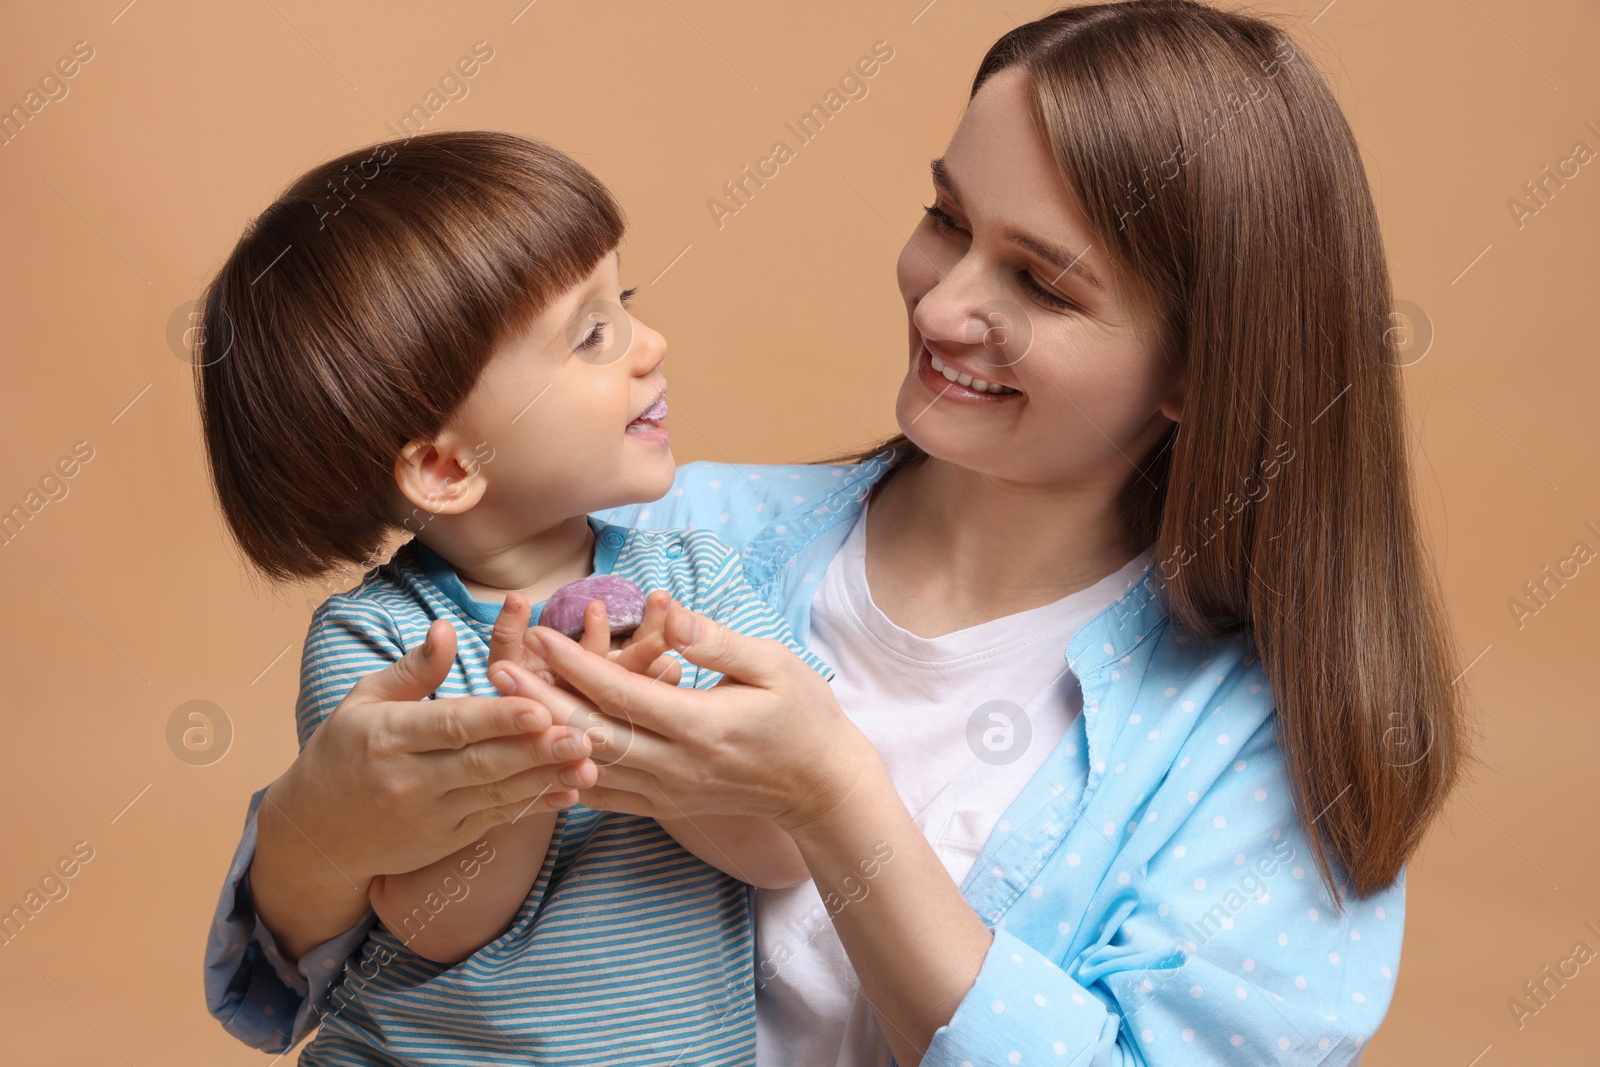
1151 890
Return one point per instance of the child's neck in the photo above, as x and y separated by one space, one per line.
536 566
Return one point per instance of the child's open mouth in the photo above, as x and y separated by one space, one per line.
649 421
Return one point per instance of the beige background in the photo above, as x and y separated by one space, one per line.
124 602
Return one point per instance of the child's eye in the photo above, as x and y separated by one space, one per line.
627 296
596 338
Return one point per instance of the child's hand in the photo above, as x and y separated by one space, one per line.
644 650
641 652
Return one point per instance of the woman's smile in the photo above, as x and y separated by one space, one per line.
954 382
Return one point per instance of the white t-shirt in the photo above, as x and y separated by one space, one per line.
962 721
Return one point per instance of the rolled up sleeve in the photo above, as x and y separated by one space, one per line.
1023 1004
257 995
1213 944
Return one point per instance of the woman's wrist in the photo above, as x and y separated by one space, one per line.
843 791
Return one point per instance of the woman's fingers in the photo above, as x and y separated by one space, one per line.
706 643
544 788
500 759
457 722
615 741
413 676
665 669
476 823
629 698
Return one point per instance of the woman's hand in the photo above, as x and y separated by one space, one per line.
771 741
391 782
641 651
768 741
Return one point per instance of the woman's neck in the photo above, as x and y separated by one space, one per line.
949 548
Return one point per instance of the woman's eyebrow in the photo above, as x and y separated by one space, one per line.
1053 254
1059 257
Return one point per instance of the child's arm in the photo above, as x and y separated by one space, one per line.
448 910
750 849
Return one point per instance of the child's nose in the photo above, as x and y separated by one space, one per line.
649 349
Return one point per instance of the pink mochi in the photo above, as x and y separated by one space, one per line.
624 604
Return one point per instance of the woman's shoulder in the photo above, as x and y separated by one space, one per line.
736 501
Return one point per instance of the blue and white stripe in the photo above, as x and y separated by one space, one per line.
628 949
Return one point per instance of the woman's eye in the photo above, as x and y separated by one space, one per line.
942 220
1041 293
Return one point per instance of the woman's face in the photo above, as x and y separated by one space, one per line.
1003 282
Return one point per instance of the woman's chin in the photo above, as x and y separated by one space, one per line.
922 425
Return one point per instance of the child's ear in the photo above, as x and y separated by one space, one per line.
438 476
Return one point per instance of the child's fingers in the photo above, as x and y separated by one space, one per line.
655 613
596 628
505 642
666 669
649 658
649 640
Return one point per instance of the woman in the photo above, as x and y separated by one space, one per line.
1150 422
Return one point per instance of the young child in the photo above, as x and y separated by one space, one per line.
429 335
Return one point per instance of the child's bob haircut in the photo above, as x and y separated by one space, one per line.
357 313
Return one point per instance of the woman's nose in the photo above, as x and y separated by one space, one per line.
952 311
962 310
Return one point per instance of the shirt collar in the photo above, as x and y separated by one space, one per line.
608 540
1105 642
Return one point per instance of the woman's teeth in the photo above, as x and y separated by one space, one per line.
977 384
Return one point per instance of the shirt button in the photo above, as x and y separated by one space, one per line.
611 538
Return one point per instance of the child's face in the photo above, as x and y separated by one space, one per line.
553 425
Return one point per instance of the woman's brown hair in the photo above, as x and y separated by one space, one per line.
356 314
1217 170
